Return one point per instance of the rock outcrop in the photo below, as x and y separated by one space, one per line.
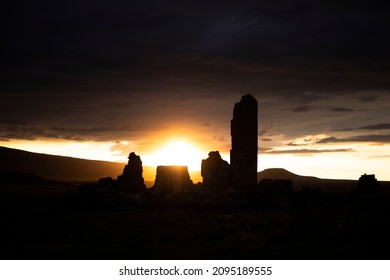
216 172
131 179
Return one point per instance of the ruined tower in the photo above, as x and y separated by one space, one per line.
216 172
131 179
172 179
244 132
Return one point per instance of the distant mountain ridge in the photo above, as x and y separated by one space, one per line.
57 167
300 182
280 173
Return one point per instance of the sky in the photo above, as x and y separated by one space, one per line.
100 79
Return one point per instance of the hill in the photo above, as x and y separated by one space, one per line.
299 182
283 174
56 167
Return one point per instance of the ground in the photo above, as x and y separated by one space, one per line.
47 224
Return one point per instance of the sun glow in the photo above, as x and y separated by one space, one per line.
176 152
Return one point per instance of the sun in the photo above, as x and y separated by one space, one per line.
177 152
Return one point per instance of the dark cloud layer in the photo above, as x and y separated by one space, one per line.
340 109
376 126
376 138
380 126
308 151
103 70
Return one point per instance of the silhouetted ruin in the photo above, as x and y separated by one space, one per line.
368 184
172 179
131 179
244 133
216 172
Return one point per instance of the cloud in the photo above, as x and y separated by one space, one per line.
146 66
381 156
368 98
307 108
122 148
89 131
302 109
330 140
263 132
12 122
25 133
373 138
292 144
266 129
305 140
340 109
381 126
345 129
307 151
33 133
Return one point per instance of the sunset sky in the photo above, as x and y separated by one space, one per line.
100 79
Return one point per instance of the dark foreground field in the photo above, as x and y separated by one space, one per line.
46 223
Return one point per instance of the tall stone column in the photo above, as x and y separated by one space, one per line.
244 133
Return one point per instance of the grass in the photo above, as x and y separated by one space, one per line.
47 225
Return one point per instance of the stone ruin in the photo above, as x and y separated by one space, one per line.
131 179
244 133
216 172
368 184
172 179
